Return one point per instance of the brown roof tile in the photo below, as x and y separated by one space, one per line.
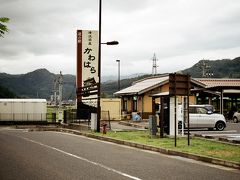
220 82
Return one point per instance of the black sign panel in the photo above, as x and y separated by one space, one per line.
90 88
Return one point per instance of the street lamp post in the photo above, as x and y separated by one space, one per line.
118 61
99 64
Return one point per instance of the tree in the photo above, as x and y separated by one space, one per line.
3 27
6 93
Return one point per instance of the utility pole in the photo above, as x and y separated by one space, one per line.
60 88
118 61
55 92
206 69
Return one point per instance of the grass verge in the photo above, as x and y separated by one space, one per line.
197 145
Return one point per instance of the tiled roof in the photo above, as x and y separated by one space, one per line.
150 83
210 83
142 86
147 84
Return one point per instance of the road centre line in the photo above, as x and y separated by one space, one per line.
83 159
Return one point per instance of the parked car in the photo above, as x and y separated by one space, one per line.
203 116
236 117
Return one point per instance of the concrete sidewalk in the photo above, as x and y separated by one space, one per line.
118 126
115 126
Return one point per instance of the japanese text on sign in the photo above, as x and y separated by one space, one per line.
89 53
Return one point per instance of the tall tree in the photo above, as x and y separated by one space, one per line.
3 27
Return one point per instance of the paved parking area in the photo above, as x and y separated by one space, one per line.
231 132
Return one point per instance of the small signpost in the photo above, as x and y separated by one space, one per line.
179 85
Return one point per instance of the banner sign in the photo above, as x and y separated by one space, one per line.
87 67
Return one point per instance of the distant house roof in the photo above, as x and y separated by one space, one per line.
147 84
220 83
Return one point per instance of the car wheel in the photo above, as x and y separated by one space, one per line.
220 126
235 119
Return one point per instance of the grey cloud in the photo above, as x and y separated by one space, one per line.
171 29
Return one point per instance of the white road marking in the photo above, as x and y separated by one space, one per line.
235 136
217 132
221 134
84 159
230 131
9 129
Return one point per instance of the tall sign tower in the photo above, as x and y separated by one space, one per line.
87 81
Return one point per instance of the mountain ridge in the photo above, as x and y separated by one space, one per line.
36 84
39 83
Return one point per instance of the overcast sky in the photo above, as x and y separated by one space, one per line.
180 32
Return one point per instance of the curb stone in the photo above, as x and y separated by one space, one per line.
147 147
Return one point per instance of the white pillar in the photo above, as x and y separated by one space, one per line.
93 121
172 116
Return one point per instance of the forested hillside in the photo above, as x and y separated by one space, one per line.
6 93
39 83
225 68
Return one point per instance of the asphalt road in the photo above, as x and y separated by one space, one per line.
231 132
52 155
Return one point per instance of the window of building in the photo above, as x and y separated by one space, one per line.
125 108
135 103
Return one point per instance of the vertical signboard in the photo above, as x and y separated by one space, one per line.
87 67
179 84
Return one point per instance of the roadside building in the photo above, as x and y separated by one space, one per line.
138 97
224 94
226 100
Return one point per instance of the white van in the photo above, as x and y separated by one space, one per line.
201 116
